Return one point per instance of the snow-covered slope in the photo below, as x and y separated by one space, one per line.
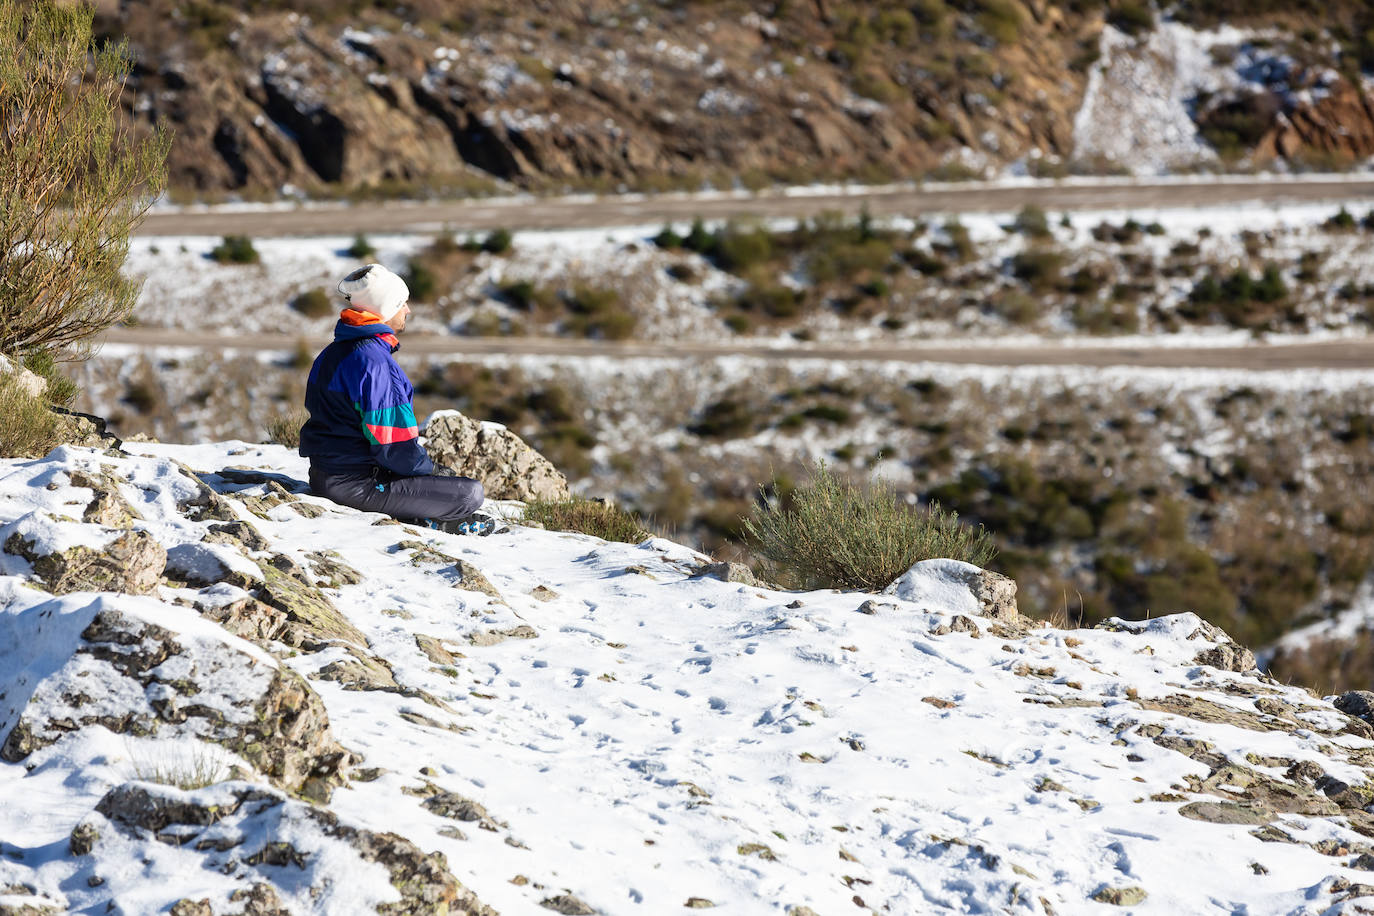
583 726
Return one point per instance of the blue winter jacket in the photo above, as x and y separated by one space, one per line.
361 415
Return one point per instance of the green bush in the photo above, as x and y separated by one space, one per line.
1039 268
699 239
597 312
668 238
727 418
498 241
1032 221
235 249
833 534
526 296
772 299
313 303
738 248
421 281
1342 220
361 248
76 176
587 516
1131 17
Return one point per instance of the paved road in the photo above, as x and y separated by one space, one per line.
536 213
1347 354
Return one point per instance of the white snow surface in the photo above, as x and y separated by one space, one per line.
663 737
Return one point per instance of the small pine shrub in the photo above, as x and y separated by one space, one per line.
1032 221
286 430
668 237
738 248
361 248
421 281
1343 220
235 249
313 303
587 516
699 239
498 241
833 534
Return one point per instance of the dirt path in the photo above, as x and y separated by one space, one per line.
1345 354
563 213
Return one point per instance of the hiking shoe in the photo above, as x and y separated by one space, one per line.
476 524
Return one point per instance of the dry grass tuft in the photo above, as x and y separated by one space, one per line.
588 516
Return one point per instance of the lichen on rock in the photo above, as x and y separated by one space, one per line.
150 681
507 467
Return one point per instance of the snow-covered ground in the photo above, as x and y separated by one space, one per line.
655 740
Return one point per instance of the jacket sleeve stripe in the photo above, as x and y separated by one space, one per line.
389 424
389 435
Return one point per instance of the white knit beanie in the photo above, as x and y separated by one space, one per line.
375 289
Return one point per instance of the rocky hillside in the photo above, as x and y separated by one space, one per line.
218 695
420 97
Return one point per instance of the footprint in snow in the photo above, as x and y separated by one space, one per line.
718 705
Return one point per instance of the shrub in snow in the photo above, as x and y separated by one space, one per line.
834 534
235 249
589 516
313 303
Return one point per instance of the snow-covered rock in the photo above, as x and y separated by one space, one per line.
507 467
600 729
957 587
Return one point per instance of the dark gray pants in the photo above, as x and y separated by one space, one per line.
409 499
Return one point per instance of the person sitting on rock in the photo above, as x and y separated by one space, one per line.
361 438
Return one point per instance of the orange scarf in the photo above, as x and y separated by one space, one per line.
358 317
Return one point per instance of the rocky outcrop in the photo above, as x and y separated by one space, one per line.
728 572
580 97
234 825
958 587
132 563
132 676
492 454
1337 126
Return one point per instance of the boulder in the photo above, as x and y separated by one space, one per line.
132 563
955 587
251 832
15 374
1357 703
133 676
1227 654
506 466
313 620
107 506
727 572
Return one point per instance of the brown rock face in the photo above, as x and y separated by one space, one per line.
539 94
492 454
1339 126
